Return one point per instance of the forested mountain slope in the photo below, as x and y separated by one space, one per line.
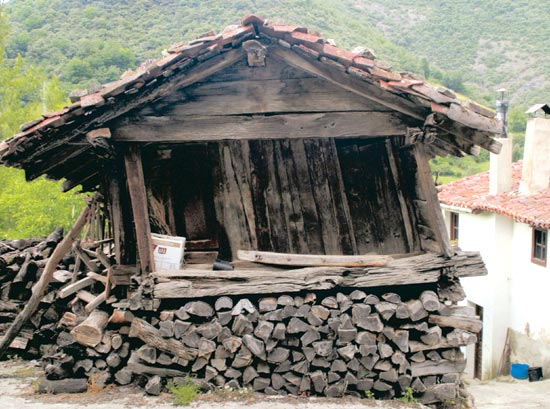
493 43
486 43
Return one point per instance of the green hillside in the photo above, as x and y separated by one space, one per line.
93 41
492 43
487 43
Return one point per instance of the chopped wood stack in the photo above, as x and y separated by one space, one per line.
314 344
76 282
329 342
21 264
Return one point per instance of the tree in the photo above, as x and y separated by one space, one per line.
28 209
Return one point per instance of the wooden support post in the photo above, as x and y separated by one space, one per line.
138 197
433 210
40 287
407 221
116 217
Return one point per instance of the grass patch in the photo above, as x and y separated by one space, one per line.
407 396
184 393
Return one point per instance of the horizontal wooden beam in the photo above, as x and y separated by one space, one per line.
421 269
310 125
286 259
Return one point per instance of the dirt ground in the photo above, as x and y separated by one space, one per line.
17 392
510 393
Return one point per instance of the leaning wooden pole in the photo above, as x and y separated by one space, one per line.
40 287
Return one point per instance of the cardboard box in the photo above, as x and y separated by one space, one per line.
167 251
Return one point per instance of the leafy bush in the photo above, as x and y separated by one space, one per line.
407 396
184 393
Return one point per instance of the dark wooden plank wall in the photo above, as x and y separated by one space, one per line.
312 196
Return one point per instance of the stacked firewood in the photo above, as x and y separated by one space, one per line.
324 343
304 344
88 355
21 264
75 283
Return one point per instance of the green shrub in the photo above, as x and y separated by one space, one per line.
369 394
184 393
407 396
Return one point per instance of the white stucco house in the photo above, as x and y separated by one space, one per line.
505 214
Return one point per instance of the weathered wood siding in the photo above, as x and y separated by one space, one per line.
311 196
275 159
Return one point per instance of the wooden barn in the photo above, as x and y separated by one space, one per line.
303 165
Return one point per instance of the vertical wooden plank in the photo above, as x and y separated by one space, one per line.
138 198
299 178
240 159
426 188
377 221
192 180
116 217
278 230
290 195
360 204
323 197
258 186
339 198
231 191
402 204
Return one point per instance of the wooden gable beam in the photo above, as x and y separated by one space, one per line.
101 116
345 81
138 197
235 127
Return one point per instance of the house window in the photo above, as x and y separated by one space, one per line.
540 245
454 228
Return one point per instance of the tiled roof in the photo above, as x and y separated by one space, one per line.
470 124
472 193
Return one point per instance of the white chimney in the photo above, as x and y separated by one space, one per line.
536 154
500 170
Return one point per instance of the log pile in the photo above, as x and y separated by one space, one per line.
310 344
21 264
75 284
328 342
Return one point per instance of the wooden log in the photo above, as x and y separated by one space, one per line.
85 296
430 301
74 287
140 369
150 335
436 368
8 306
70 385
68 320
121 317
138 195
40 287
90 331
471 324
95 302
418 269
304 260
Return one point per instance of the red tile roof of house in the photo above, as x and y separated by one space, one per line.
472 193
